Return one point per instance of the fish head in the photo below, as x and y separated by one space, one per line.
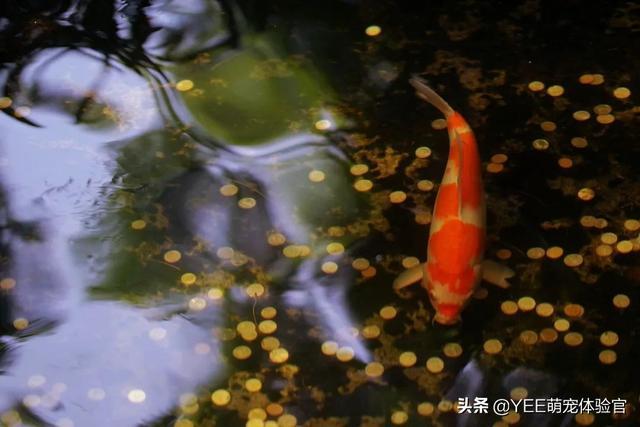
448 307
450 291
447 314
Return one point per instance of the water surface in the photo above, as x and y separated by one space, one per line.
169 170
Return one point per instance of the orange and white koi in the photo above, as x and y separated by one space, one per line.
454 266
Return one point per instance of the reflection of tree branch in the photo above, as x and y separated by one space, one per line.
11 86
88 24
93 26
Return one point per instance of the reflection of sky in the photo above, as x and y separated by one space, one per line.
38 163
86 368
57 176
53 176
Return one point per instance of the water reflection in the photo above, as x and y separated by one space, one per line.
185 29
475 382
118 157
85 368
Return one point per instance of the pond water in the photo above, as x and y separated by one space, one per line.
204 205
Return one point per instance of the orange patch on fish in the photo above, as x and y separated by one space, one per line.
452 253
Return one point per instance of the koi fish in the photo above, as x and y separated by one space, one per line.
455 250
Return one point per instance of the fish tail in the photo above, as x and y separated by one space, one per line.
429 95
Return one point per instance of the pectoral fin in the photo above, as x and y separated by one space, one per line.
496 274
409 277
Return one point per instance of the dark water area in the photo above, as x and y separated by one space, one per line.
204 206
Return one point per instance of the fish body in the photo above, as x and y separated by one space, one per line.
457 235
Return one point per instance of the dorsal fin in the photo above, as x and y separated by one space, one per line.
429 95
